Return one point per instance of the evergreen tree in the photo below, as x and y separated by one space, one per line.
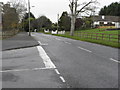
111 10
26 21
64 21
43 22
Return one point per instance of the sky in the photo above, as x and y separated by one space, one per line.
51 8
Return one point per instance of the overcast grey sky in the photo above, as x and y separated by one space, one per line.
51 8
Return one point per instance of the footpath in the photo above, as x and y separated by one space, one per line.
24 68
21 40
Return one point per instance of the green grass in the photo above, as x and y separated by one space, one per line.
100 31
105 41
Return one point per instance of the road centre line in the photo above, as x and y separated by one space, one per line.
57 71
114 60
67 43
85 49
57 39
63 80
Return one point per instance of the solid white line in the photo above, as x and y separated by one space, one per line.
63 80
67 42
20 70
47 61
57 71
114 60
85 49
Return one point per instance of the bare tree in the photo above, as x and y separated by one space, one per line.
86 7
20 6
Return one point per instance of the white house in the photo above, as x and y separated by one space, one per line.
106 21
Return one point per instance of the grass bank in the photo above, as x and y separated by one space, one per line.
110 38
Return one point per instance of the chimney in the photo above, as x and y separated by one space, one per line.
103 17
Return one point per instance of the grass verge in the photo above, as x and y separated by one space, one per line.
99 31
102 42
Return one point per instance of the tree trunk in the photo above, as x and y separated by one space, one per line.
72 25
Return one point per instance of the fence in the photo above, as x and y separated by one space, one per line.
7 34
100 36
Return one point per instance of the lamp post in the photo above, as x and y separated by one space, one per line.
29 16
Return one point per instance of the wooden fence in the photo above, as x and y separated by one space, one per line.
99 36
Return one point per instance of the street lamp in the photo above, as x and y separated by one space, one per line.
29 16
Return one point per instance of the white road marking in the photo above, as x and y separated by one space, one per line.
20 70
47 61
114 60
57 71
57 39
63 80
32 35
42 43
67 43
85 49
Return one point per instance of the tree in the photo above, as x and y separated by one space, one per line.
20 6
78 23
87 22
75 11
112 9
64 21
10 17
43 22
25 21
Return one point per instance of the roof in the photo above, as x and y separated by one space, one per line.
107 18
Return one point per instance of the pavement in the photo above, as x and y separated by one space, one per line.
23 67
21 40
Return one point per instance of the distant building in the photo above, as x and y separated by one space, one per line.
106 21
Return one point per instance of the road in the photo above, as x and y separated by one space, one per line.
82 64
61 63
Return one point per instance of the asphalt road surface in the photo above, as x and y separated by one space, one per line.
82 64
60 63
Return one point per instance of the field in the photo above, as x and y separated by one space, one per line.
99 36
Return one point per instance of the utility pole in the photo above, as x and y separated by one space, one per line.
57 21
29 16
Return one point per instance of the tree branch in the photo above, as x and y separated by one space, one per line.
85 6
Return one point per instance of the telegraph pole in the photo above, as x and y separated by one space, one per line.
29 16
57 21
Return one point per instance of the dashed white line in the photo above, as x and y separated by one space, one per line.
67 43
85 49
57 71
63 80
114 60
57 39
47 61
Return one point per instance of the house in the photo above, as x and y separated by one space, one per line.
106 21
